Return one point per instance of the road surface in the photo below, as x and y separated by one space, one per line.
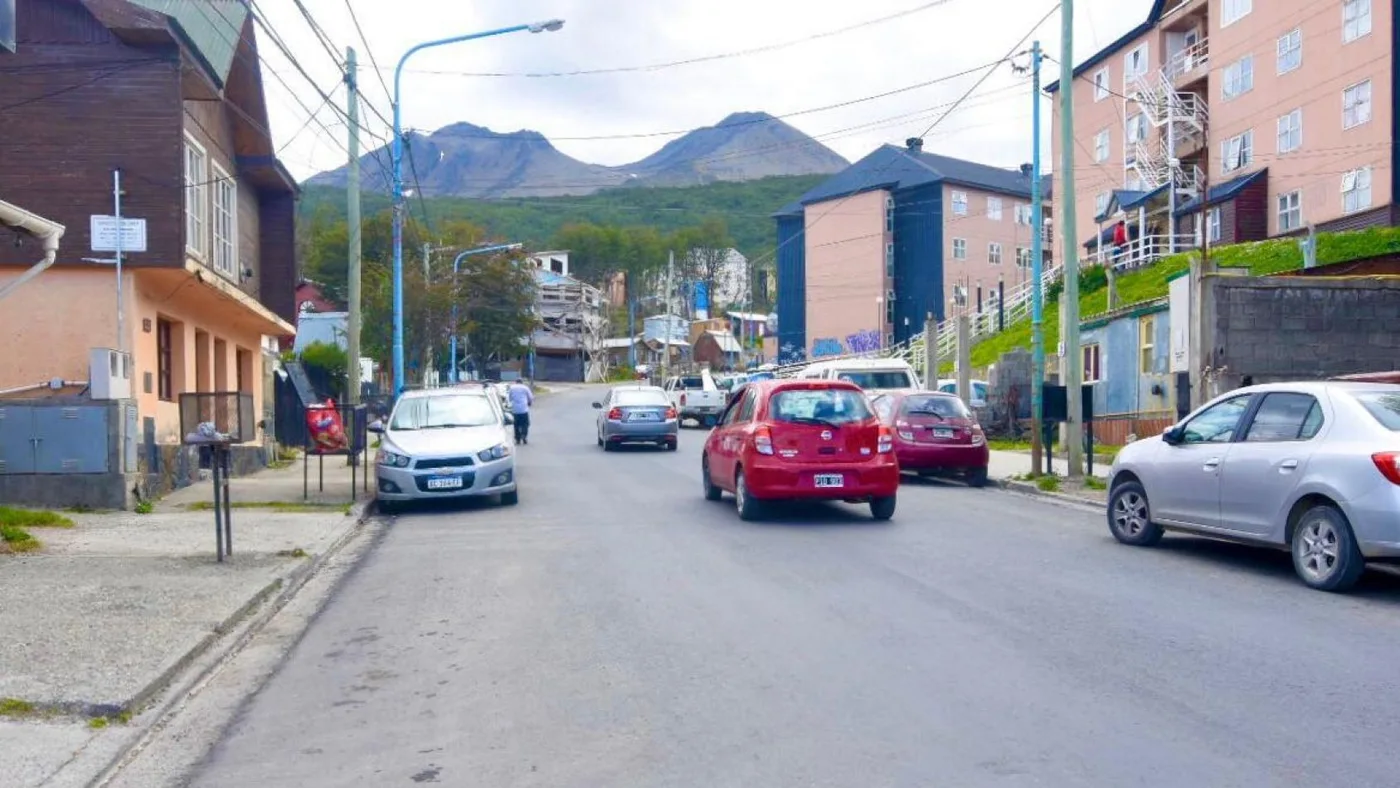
615 629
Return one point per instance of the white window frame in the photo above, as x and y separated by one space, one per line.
1101 202
223 209
1356 190
1024 258
1356 19
1237 152
1142 53
196 200
1214 224
1101 78
1093 373
1132 181
959 248
1102 142
1357 108
959 203
994 208
994 253
1290 211
1290 51
889 259
1023 214
1290 131
1238 78
889 214
1147 344
960 295
1135 130
1232 11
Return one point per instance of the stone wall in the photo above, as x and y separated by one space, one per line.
1290 328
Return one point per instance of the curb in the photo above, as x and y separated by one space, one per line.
250 618
1025 488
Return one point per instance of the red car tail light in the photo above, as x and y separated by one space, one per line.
615 414
1388 463
978 437
763 440
885 442
904 431
682 400
670 414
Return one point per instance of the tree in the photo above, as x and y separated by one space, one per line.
705 251
496 298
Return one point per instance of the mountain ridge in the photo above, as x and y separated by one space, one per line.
466 160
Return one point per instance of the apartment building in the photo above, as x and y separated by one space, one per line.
865 255
1236 120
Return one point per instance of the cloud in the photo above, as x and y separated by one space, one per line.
993 127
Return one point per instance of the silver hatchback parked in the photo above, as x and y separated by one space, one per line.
1313 468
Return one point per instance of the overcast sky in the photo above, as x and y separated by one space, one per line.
630 107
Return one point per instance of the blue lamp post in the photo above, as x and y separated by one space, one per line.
397 157
456 376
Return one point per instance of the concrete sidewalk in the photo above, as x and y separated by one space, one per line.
114 609
1007 464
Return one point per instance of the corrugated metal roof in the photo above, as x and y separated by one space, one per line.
213 27
1153 16
726 341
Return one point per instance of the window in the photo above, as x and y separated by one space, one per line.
1213 224
994 208
1356 19
1132 181
1239 78
1232 11
1356 190
994 253
1290 51
1101 84
1023 214
1237 152
1023 257
1092 369
225 224
1101 203
1356 105
889 260
165 360
1135 64
959 248
960 295
445 410
836 406
1383 407
889 307
1216 424
1290 211
1290 131
745 412
1284 416
1101 143
1136 127
960 203
196 199
1147 340
889 214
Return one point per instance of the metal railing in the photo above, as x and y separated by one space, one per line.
1188 60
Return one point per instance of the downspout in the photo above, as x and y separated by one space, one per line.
48 232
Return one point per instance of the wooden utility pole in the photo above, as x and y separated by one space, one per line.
352 221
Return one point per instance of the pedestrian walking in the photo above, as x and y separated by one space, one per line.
521 398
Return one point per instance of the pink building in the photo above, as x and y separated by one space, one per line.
1282 111
866 255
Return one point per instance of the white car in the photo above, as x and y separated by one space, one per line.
873 375
979 391
445 443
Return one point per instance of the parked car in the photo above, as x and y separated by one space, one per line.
979 391
800 439
696 397
935 435
637 414
445 443
1313 468
874 375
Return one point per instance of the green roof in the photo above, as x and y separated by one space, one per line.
213 28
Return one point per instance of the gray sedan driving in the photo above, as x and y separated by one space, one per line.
637 414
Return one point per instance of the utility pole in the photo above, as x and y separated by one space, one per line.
1037 268
666 337
1073 377
930 352
427 329
117 259
352 220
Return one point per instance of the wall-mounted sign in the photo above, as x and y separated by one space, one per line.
104 233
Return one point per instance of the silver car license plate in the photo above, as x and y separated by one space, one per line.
445 483
641 417
943 432
830 480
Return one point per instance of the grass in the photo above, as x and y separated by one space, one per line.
13 707
17 540
32 518
1095 483
145 506
293 553
280 506
1048 483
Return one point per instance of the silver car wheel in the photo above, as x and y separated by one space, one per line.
1130 513
1318 549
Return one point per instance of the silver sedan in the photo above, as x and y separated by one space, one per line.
637 414
1313 468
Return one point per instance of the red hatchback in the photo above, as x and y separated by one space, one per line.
800 440
935 434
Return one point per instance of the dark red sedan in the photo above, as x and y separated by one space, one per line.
800 440
935 435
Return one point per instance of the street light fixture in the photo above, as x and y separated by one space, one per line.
397 160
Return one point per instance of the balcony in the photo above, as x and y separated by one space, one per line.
1189 65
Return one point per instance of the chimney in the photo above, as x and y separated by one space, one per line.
1026 170
915 144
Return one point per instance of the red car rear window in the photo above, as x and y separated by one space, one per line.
830 406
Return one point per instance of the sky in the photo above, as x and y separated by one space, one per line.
629 111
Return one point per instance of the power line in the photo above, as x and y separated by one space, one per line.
369 52
70 88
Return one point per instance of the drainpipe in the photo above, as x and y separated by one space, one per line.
41 228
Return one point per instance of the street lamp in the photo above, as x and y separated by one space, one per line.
456 263
397 161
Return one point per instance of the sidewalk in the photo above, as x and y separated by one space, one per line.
115 608
1006 464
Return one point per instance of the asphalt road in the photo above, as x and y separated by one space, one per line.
616 629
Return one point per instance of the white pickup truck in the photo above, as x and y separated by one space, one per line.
696 397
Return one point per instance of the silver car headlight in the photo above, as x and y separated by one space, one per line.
391 458
499 451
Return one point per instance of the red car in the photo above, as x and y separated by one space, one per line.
935 434
800 440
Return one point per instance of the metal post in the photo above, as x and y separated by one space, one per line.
121 301
964 351
632 333
427 330
352 222
1001 303
666 337
930 352
224 455
1072 376
1037 265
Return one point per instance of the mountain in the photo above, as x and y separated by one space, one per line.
463 160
